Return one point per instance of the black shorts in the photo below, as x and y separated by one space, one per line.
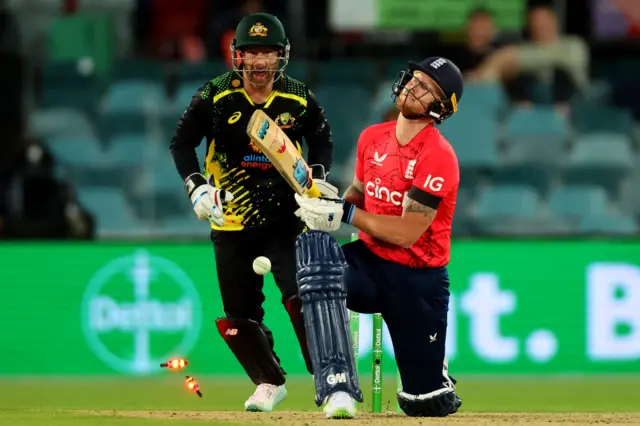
235 251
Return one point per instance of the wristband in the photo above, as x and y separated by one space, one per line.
193 181
348 210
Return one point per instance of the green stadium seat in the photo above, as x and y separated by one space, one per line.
127 105
77 151
68 84
184 92
164 178
186 224
526 227
346 120
612 224
50 122
200 72
490 99
539 122
594 117
473 137
507 201
128 150
462 220
526 162
138 69
629 199
111 210
578 201
602 159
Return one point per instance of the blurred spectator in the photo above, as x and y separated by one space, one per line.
222 26
12 81
34 204
481 41
171 29
549 57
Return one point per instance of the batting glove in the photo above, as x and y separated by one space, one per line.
320 214
207 200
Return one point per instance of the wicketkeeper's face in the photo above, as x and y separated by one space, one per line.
260 64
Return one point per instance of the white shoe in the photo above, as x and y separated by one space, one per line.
340 405
265 397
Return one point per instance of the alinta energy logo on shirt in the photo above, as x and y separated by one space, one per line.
256 160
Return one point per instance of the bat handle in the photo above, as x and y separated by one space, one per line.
314 192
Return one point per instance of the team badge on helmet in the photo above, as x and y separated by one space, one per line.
258 30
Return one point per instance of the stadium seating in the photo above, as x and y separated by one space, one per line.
51 122
113 213
489 98
525 171
578 201
507 201
600 159
77 151
612 224
129 105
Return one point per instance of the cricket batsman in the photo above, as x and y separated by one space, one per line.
244 197
402 200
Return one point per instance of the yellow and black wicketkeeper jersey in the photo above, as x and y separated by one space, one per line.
220 112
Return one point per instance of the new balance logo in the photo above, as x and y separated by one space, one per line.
378 159
334 379
231 331
408 174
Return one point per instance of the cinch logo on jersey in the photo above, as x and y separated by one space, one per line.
383 193
256 161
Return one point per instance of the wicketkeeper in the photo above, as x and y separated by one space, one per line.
244 197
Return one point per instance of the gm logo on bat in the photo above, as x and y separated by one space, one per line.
301 174
263 129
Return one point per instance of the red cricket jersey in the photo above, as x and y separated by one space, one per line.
428 167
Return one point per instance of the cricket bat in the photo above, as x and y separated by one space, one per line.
283 154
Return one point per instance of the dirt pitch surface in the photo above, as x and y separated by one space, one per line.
309 418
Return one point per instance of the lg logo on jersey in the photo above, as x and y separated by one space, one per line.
383 193
433 183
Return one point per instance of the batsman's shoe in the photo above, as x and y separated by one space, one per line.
340 405
265 398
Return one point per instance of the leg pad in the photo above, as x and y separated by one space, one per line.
250 343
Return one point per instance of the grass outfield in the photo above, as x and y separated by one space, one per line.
150 402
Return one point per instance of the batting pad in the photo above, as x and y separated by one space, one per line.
319 271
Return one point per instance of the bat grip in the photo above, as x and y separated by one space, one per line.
314 192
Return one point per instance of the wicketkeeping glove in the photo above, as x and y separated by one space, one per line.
207 200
